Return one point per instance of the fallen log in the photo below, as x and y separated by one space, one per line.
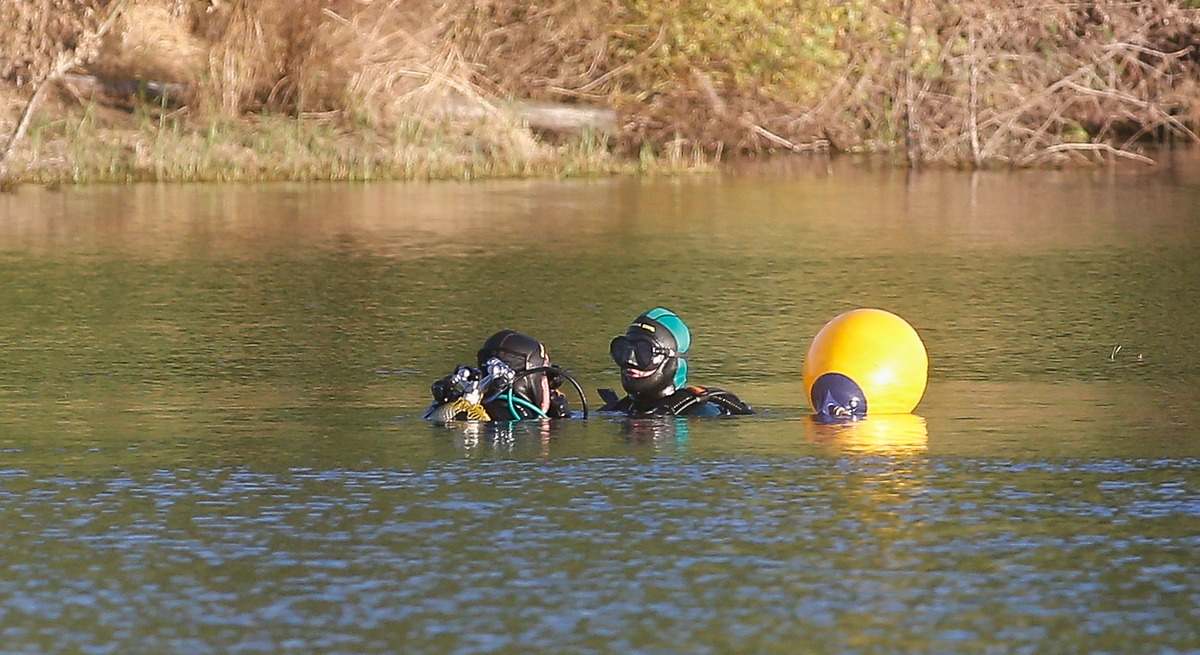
555 117
125 93
541 116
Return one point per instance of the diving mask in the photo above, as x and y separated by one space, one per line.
641 354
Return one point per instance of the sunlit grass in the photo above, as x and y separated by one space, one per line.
81 148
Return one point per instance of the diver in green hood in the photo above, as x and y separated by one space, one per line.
654 372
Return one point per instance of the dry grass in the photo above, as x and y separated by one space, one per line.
1031 82
153 42
972 83
88 145
39 34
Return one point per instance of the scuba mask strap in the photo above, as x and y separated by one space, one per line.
675 325
682 336
486 354
681 374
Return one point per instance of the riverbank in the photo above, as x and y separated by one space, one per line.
78 144
324 89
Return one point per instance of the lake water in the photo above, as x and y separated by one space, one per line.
209 402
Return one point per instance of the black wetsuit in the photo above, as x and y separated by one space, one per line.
688 401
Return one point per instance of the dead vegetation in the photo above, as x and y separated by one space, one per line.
1029 82
973 83
49 38
964 83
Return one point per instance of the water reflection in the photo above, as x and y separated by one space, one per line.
659 431
887 434
777 434
472 439
208 399
546 438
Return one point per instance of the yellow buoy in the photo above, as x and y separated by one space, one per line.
865 360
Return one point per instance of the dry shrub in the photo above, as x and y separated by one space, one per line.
1020 82
972 82
261 54
394 61
253 48
152 41
48 38
40 34
1026 81
545 50
10 106
369 58
381 62
729 75
697 71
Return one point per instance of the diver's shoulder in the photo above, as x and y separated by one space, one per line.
614 402
696 399
692 400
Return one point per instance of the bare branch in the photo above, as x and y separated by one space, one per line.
63 63
1093 147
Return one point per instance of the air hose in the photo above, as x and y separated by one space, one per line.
524 403
553 370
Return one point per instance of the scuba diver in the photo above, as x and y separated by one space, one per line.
513 380
654 372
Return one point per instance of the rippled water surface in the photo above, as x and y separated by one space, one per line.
209 432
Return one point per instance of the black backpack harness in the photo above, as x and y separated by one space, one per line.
680 403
